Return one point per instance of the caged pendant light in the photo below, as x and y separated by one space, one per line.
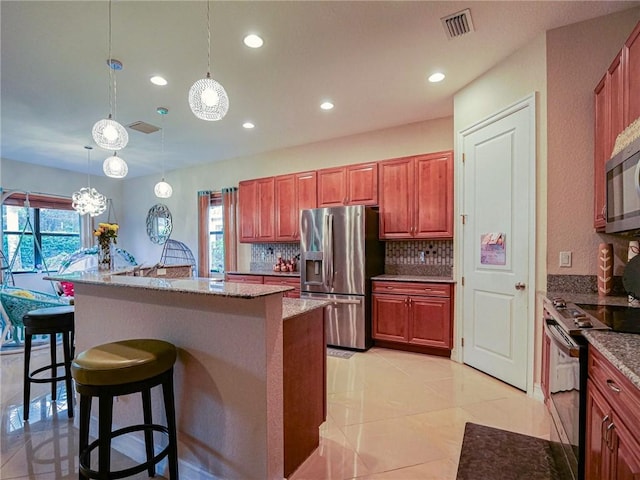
108 133
207 98
87 199
115 167
162 189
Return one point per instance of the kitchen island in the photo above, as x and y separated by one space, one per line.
237 360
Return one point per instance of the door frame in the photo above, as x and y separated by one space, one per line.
457 354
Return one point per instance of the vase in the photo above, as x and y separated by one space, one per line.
105 257
605 268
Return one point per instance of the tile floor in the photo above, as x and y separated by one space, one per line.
391 415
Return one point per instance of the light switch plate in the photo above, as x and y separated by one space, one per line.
565 259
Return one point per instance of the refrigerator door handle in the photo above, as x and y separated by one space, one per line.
328 248
335 303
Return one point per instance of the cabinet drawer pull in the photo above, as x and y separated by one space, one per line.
613 386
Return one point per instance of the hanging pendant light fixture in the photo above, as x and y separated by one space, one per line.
207 98
87 199
115 167
162 189
108 133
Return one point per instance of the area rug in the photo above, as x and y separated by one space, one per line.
335 352
491 453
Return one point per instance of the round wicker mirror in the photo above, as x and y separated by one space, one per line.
159 224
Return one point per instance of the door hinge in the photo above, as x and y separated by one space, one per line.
462 281
463 216
462 341
463 157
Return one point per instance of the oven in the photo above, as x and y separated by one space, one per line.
567 384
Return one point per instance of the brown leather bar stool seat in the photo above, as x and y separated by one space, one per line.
49 321
122 368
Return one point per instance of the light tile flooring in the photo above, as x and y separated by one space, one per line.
391 415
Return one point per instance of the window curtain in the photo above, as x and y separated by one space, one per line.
229 210
203 232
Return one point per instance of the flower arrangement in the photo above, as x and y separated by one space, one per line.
106 232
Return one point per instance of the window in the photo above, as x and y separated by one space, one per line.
216 235
52 225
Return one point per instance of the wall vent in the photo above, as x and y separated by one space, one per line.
143 127
458 24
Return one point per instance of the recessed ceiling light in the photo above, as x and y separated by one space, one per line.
436 77
248 125
158 80
326 105
253 41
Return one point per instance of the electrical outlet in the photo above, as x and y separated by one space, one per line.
565 259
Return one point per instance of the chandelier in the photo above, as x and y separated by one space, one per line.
162 189
88 199
108 133
207 98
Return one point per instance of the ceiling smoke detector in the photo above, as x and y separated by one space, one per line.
143 127
458 24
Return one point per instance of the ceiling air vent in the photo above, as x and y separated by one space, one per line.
458 24
143 127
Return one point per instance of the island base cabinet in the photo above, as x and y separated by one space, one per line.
304 364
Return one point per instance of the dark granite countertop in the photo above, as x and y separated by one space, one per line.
592 298
413 278
621 349
267 272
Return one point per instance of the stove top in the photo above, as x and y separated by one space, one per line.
575 318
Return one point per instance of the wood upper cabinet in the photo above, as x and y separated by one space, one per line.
293 193
616 105
416 314
613 422
255 205
631 61
349 185
416 197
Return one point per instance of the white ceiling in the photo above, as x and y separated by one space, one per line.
370 58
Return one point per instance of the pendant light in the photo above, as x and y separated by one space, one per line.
162 188
207 98
108 133
115 167
87 199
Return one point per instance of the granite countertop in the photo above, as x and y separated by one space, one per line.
591 299
267 272
205 286
621 349
292 307
413 278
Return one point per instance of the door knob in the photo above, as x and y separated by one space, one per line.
520 286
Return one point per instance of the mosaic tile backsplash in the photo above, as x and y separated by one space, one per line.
422 257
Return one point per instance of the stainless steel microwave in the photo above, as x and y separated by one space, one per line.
623 191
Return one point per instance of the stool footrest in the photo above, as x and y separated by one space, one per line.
49 379
85 454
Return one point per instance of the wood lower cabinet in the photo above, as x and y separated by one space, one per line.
348 185
613 423
285 281
413 314
288 281
416 197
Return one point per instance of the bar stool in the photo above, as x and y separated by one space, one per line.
49 321
121 368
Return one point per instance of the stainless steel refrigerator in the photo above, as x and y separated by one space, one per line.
339 253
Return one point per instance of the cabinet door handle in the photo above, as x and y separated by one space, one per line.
607 437
611 384
605 419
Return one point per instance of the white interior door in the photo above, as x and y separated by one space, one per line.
498 232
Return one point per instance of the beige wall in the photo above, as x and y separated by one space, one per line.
422 137
578 56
